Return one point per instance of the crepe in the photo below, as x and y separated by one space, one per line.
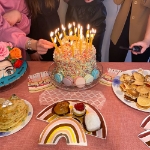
12 114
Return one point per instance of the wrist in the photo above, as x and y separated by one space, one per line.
31 44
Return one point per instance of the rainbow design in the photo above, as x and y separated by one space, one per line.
66 127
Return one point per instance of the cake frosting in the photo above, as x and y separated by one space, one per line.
77 63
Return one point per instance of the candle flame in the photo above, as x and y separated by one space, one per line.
55 40
75 30
78 26
69 25
88 26
51 34
74 24
56 31
60 36
70 33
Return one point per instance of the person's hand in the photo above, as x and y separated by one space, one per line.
43 46
35 57
88 1
12 17
145 44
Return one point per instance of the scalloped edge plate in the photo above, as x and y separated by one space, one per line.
120 94
47 111
23 124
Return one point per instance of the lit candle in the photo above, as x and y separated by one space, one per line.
93 32
60 42
63 28
78 29
74 28
56 34
58 31
88 27
75 31
72 49
80 40
55 40
69 27
87 39
51 35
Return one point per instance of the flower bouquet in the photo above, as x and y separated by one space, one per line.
10 53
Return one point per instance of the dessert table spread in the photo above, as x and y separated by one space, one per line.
123 122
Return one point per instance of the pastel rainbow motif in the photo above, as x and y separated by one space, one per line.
69 128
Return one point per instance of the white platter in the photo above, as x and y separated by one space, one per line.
23 124
115 86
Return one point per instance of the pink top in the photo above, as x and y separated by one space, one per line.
15 34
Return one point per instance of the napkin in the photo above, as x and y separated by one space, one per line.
107 77
145 136
95 98
39 82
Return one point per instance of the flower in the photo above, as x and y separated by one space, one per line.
18 63
4 51
15 53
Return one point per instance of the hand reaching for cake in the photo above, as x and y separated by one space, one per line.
43 46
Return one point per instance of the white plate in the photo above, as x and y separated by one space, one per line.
23 124
115 86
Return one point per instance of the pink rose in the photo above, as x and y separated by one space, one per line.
4 52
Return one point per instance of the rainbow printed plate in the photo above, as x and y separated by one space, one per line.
53 132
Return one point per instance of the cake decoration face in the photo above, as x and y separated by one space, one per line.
6 68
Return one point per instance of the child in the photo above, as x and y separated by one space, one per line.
92 12
14 25
129 27
44 19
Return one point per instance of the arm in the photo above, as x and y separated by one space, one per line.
146 42
24 23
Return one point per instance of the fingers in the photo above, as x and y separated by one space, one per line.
46 44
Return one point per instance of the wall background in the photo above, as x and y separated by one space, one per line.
112 11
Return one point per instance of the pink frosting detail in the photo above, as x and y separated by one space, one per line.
4 51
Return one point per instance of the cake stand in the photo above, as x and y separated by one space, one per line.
73 88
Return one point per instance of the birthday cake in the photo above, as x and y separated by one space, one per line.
12 66
75 59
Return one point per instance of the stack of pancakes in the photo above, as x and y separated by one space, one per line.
12 115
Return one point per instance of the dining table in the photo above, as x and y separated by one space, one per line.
123 122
